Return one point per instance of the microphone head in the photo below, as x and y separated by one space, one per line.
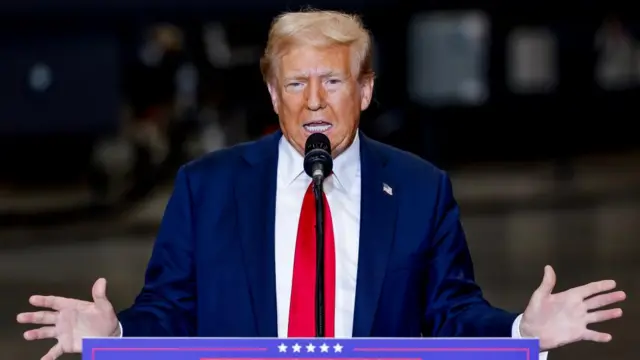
317 154
317 141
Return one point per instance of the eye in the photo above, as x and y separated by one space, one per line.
294 85
334 81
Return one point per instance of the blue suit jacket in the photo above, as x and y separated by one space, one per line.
212 271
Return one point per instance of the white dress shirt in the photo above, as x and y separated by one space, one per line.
343 194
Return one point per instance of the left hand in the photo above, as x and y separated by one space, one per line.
562 318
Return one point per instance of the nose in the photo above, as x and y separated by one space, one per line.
316 95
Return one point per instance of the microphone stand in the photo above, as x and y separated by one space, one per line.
320 311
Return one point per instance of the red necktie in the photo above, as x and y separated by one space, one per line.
302 309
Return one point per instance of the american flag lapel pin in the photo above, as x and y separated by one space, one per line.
386 188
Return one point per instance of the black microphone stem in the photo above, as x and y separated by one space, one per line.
320 318
318 164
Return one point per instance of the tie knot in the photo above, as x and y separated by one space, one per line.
311 183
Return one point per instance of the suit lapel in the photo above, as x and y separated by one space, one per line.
255 194
378 211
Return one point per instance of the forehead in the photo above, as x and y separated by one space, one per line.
310 61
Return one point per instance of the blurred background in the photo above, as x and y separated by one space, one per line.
530 108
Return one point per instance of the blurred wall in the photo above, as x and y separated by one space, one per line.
528 107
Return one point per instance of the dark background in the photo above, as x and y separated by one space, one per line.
100 103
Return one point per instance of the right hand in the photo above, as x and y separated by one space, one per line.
70 320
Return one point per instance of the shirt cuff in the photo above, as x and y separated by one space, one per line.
121 333
515 333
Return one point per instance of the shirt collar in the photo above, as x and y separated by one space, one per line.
346 166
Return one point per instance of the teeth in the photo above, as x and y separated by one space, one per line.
316 128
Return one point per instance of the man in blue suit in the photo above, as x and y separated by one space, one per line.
229 260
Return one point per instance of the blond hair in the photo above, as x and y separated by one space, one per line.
319 29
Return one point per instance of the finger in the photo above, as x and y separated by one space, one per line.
46 332
603 300
593 288
603 315
548 281
54 353
595 336
99 293
39 317
51 302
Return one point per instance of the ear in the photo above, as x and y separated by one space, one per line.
366 91
273 93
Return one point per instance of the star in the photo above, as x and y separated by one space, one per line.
310 348
324 348
296 347
282 347
337 348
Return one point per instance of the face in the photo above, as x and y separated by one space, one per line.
318 90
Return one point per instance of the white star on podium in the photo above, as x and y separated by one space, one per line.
324 348
296 347
337 348
310 348
282 347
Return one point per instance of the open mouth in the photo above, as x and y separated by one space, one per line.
317 126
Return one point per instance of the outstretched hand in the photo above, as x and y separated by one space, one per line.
70 320
562 318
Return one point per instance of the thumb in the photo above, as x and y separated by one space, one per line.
548 281
99 292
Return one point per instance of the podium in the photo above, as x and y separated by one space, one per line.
309 348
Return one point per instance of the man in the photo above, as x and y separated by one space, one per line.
234 256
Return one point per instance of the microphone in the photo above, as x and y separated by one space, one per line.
318 164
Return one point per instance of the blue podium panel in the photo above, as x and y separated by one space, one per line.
299 349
